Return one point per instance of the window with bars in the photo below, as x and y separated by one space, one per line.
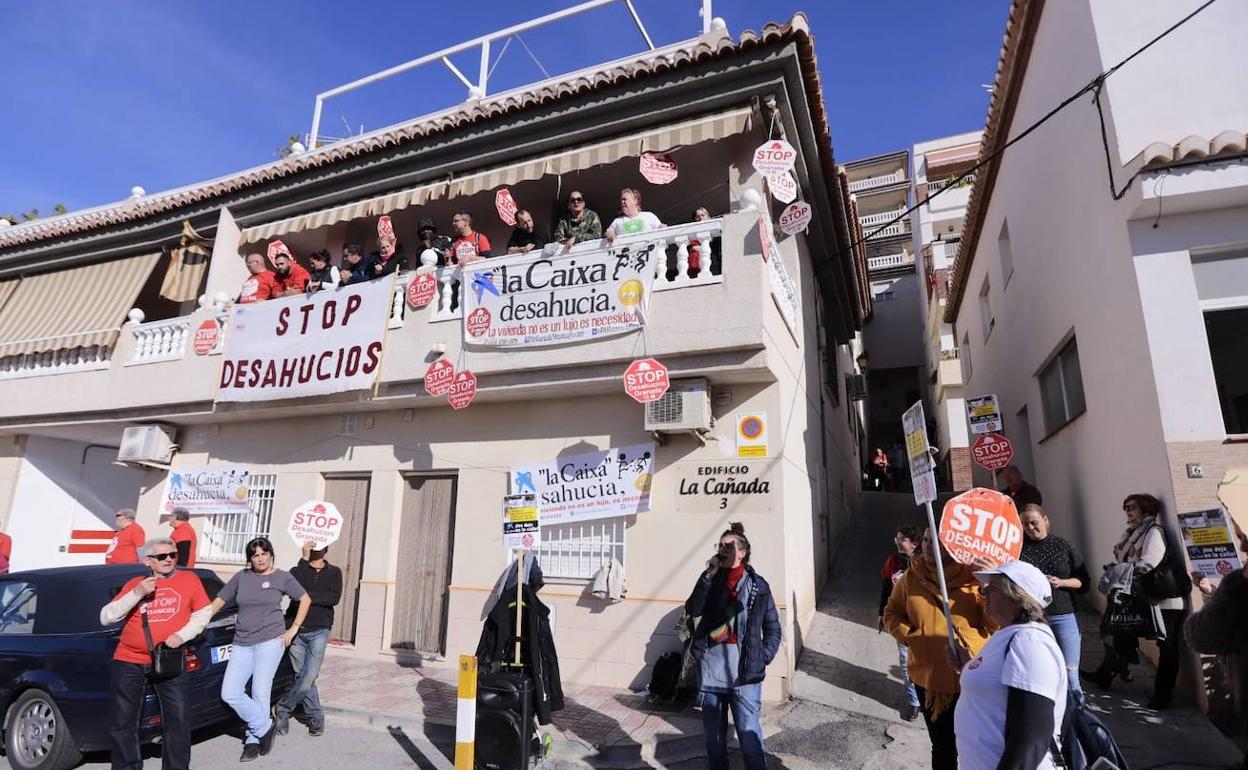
577 551
226 534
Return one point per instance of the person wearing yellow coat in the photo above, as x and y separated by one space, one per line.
915 616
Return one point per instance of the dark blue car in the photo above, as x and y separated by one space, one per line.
55 659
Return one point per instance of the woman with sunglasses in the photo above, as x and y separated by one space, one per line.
260 640
580 225
737 636
1144 545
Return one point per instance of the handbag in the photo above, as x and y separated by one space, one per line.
167 662
1164 581
1127 613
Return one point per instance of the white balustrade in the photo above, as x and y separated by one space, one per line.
889 260
159 340
884 180
445 305
55 362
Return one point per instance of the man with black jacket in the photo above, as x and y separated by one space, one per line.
323 582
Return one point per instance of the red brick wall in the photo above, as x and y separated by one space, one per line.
960 468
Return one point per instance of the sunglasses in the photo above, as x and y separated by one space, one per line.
163 556
1131 507
576 200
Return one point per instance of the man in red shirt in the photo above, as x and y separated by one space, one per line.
469 246
260 285
176 610
183 536
6 552
289 277
126 543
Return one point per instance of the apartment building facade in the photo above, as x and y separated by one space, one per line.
1099 288
755 335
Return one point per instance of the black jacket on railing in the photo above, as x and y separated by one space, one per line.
537 650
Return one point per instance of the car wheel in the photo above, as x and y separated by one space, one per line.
36 736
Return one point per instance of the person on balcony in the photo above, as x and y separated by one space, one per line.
260 285
389 256
356 267
289 275
469 246
323 274
431 240
580 225
632 219
526 237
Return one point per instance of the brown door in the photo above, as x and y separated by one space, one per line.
424 575
350 495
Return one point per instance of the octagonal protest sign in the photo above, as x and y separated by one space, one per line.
317 521
206 337
438 377
422 290
646 380
462 390
981 523
658 168
774 157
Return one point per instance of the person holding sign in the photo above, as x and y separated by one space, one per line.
323 582
260 640
1144 546
1067 575
737 636
915 617
1013 693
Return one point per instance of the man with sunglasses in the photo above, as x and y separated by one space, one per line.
177 610
580 225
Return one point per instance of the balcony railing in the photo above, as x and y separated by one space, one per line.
889 260
874 182
674 272
55 362
934 186
160 340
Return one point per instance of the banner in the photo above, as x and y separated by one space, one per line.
1210 547
208 490
531 300
599 485
307 345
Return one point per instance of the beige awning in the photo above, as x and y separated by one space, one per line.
74 308
382 204
6 290
663 139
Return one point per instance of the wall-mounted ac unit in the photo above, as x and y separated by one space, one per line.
684 408
856 384
147 444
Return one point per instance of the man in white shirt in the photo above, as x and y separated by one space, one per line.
632 219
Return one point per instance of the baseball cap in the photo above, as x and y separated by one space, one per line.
1025 576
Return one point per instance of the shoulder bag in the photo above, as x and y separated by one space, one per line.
167 662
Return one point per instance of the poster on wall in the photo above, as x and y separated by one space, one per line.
752 435
207 490
306 345
596 485
532 300
1210 547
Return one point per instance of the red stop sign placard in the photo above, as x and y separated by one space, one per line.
506 206
981 523
992 451
646 380
206 337
421 290
462 389
658 168
438 377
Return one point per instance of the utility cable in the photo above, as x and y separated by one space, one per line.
1093 85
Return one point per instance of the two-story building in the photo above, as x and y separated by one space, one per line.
757 426
1101 281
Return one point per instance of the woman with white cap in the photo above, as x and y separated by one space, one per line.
1014 692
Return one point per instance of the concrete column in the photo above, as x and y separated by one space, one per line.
226 271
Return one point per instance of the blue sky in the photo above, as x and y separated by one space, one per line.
102 96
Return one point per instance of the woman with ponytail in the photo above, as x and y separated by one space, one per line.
737 636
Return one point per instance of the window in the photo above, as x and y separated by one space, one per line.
986 319
882 291
964 355
1061 388
1007 256
226 534
577 551
18 602
1227 332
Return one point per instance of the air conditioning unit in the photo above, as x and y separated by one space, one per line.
147 444
684 408
856 384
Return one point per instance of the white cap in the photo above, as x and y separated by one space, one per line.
1025 576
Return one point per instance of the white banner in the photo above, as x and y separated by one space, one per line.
598 485
532 300
207 490
307 345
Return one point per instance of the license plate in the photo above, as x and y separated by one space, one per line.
222 653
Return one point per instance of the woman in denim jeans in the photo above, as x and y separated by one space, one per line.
1068 575
737 636
260 640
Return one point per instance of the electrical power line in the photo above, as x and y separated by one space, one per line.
1094 85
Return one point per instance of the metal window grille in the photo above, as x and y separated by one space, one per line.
226 534
579 550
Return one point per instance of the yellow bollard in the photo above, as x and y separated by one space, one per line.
466 713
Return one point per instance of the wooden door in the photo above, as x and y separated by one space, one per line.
423 581
351 497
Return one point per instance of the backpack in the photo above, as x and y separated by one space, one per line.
666 676
1087 742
